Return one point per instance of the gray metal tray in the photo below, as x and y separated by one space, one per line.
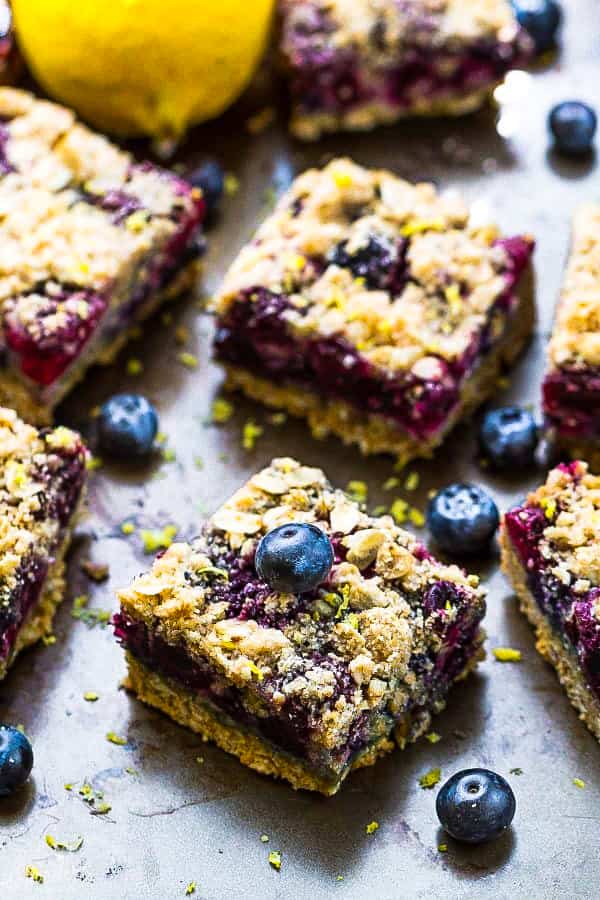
178 820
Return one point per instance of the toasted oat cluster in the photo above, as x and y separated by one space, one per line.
321 677
42 474
572 384
89 242
356 63
373 293
550 552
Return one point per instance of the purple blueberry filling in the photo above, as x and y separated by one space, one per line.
58 498
296 727
254 335
571 615
331 79
572 401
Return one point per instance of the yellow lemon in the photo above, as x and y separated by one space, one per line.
137 67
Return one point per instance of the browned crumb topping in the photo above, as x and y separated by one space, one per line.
457 269
576 336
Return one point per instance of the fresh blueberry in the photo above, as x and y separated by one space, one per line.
475 805
508 437
294 558
210 178
462 519
573 125
541 19
16 759
127 426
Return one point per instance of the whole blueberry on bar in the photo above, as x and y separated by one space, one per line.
541 20
294 558
508 437
475 805
462 519
127 426
210 178
573 125
16 759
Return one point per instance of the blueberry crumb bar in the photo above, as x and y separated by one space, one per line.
302 686
42 477
550 554
374 308
354 64
90 243
571 390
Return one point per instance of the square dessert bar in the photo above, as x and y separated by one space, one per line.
42 477
90 243
571 391
301 686
551 554
354 64
372 307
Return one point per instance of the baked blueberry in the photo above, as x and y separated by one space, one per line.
127 426
462 519
508 437
573 125
16 759
475 805
541 19
294 558
210 178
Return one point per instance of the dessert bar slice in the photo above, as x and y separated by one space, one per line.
373 308
354 64
571 391
551 554
42 477
90 243
303 686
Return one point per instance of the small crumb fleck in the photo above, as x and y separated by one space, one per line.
200 760
221 411
516 771
168 454
358 491
416 517
275 859
134 367
69 846
48 640
506 654
250 434
339 877
431 778
264 838
399 510
68 786
279 418
412 481
379 511
131 771
188 359
91 696
579 783
190 889
116 739
433 737
372 827
182 334
261 120
92 463
231 184
391 483
198 462
443 848
127 527
95 571
89 617
158 540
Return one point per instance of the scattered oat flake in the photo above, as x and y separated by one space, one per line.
134 367
127 527
34 874
250 434
443 848
69 846
188 359
372 827
579 783
275 859
90 696
190 889
158 540
264 838
116 739
506 654
431 778
433 737
221 411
